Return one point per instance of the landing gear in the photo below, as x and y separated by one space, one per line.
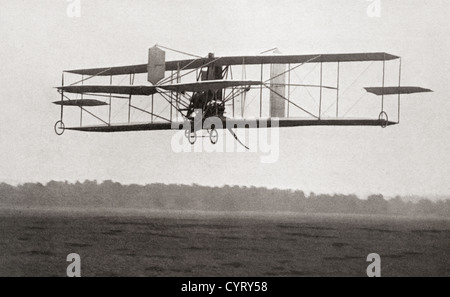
191 136
213 136
383 117
59 128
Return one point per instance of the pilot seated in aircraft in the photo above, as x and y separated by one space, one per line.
199 100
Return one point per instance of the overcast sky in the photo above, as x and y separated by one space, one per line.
39 40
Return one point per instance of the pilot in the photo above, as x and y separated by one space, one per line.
199 100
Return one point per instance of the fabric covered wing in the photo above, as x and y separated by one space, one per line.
124 90
236 123
208 85
124 127
81 102
379 91
239 60
150 90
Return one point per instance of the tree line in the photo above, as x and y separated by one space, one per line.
108 194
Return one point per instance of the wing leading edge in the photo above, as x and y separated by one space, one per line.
150 90
236 123
81 102
239 60
124 90
380 91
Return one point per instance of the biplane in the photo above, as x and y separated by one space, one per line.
213 92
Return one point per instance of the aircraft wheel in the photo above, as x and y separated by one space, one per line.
59 128
192 137
213 136
384 118
187 133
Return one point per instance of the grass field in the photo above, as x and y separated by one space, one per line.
36 243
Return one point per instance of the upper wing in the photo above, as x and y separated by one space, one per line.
379 91
240 60
107 71
124 90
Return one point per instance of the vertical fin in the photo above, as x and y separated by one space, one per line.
156 64
277 84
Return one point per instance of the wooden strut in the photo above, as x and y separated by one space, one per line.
337 89
382 96
243 95
178 96
153 98
289 90
81 108
260 92
171 97
62 98
399 85
129 99
110 100
225 74
232 89
321 81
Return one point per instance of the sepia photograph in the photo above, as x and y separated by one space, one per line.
203 141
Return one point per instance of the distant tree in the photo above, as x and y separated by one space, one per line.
376 204
109 194
425 207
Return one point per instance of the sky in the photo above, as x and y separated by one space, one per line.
39 40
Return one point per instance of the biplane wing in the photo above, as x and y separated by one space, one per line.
208 85
127 127
228 123
123 90
150 90
380 91
81 102
239 60
293 122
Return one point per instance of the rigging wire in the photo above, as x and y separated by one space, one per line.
178 51
348 88
364 95
271 50
307 89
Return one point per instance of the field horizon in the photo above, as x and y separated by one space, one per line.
193 231
182 243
